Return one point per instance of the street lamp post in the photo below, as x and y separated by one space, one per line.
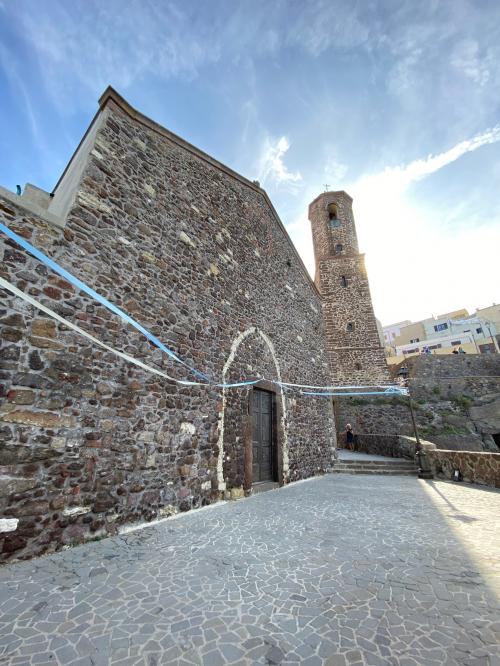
488 326
423 468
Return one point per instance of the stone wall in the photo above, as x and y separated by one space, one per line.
481 468
196 254
456 402
476 467
393 446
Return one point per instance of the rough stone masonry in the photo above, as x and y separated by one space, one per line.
355 353
196 254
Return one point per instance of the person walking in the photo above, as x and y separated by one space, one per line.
349 437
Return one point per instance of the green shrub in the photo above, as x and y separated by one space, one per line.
462 401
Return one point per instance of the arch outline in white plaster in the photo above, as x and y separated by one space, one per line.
220 442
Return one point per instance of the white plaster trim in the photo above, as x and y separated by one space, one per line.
220 442
32 208
8 524
76 510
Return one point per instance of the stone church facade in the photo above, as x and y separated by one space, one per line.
195 253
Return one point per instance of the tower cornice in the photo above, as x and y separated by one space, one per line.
331 194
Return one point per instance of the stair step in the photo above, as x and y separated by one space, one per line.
374 467
401 466
396 461
381 472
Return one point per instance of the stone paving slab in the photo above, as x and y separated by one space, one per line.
339 570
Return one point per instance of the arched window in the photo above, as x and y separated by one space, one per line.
333 215
333 211
339 248
343 281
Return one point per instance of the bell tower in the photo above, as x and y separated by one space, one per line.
354 349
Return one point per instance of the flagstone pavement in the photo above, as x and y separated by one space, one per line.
337 570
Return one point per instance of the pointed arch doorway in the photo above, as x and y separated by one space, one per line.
236 419
264 448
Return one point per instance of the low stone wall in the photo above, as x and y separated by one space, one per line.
481 468
476 467
456 403
394 446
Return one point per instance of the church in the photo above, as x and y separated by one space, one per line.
161 337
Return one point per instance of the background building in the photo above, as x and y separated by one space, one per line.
475 334
393 331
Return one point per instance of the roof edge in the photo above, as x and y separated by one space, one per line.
110 95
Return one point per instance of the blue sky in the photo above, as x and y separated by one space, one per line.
396 101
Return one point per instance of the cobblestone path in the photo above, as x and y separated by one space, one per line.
337 570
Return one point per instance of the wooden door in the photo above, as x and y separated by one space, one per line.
263 465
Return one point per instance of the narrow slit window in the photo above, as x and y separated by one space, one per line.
343 281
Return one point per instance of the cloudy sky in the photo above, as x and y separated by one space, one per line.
397 102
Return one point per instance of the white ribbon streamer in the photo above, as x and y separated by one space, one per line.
126 357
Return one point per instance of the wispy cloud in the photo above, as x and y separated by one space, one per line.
91 44
16 81
271 165
415 266
397 179
467 58
431 267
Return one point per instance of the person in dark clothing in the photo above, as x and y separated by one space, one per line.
349 437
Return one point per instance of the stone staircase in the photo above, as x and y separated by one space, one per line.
397 466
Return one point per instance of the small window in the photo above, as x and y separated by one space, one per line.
414 341
350 327
455 342
479 330
343 281
358 366
339 248
440 327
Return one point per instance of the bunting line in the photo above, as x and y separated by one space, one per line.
325 390
91 292
32 301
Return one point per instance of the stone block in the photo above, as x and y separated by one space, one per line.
76 510
20 397
8 525
13 543
237 493
15 484
43 328
31 508
40 419
14 320
45 343
12 334
184 238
